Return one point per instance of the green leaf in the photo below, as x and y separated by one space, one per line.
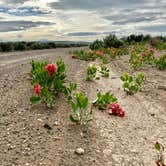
74 107
157 146
72 119
35 99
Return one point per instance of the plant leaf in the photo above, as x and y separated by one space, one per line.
72 119
35 99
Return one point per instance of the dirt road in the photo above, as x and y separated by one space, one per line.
107 140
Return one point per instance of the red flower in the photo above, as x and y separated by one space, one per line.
114 52
115 109
100 53
51 69
37 89
73 56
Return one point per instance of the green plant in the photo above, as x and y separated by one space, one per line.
160 148
160 62
48 80
112 41
104 71
97 44
68 91
103 100
84 55
91 72
132 84
80 113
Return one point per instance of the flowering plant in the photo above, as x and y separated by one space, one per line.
48 80
160 62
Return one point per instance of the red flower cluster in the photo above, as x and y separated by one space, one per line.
115 109
114 52
100 53
73 56
37 89
51 69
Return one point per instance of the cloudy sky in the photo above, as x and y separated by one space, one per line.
81 20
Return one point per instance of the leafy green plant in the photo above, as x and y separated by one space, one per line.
160 148
84 55
132 84
48 80
160 62
91 72
103 100
80 113
68 91
97 44
112 41
104 71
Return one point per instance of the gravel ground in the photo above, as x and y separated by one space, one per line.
107 140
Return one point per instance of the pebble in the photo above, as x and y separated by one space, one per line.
79 151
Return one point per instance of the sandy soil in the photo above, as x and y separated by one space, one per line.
107 140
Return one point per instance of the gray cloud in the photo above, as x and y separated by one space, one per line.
83 34
15 1
93 5
153 28
8 26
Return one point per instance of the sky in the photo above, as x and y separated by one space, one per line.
79 20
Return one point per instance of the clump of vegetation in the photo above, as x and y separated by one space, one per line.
132 84
104 71
84 55
112 41
103 100
49 80
22 45
96 45
91 72
160 148
141 55
160 62
80 113
68 91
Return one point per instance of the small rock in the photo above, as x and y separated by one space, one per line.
56 123
79 151
40 120
47 126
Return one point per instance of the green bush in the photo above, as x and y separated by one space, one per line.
5 47
112 41
97 44
160 62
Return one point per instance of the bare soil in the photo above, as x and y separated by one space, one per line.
107 140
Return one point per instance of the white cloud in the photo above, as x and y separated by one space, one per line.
92 18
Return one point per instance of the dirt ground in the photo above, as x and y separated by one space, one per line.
107 140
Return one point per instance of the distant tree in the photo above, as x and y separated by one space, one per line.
112 41
5 47
19 46
97 44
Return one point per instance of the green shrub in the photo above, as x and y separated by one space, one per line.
5 47
103 100
80 113
160 62
96 45
132 84
112 41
